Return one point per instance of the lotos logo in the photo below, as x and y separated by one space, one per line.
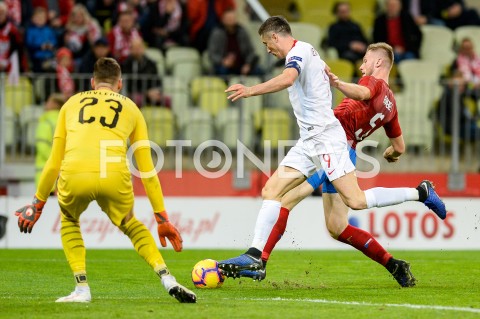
410 224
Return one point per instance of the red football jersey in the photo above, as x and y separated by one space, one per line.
361 118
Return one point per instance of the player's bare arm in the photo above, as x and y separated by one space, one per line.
394 151
351 90
278 83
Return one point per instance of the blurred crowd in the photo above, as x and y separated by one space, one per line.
64 36
59 38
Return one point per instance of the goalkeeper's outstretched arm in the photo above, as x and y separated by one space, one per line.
139 140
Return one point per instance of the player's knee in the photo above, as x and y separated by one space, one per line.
354 203
268 193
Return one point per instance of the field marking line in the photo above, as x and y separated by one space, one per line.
368 304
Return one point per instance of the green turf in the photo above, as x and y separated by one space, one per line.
299 284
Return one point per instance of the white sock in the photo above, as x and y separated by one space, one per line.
168 281
82 289
380 196
267 217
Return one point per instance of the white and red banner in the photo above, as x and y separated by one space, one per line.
228 222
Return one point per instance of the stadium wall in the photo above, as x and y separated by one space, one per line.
228 222
193 184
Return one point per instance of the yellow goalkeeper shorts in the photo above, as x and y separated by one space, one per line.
114 194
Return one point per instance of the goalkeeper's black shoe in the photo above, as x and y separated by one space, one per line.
178 291
233 266
182 294
400 270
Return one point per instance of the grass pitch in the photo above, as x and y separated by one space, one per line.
299 284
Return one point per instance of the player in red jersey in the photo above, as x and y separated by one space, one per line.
316 149
359 117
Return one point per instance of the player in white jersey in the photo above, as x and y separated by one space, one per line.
322 142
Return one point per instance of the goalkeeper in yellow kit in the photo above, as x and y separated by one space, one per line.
89 158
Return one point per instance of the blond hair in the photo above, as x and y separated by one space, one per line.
385 48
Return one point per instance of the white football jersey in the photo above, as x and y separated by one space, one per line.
310 94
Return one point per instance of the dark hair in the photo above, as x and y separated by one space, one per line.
277 24
39 9
107 70
338 4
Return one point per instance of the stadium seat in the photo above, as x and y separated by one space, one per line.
213 101
254 103
318 13
421 91
178 91
245 80
20 95
173 85
274 125
263 58
365 5
364 17
307 32
186 70
207 67
206 83
157 56
180 106
437 46
278 99
229 122
177 55
10 127
39 88
414 72
344 69
472 32
328 53
160 124
275 7
197 127
28 120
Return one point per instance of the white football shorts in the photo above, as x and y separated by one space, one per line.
327 151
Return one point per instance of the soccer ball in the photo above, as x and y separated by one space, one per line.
205 274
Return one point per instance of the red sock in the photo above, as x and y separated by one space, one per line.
365 242
276 233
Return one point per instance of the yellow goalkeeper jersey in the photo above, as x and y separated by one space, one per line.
91 136
96 126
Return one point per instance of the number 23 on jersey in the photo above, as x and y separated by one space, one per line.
114 105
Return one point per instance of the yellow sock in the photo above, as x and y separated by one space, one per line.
144 244
73 245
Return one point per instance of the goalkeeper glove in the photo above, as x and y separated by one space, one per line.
166 229
29 214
